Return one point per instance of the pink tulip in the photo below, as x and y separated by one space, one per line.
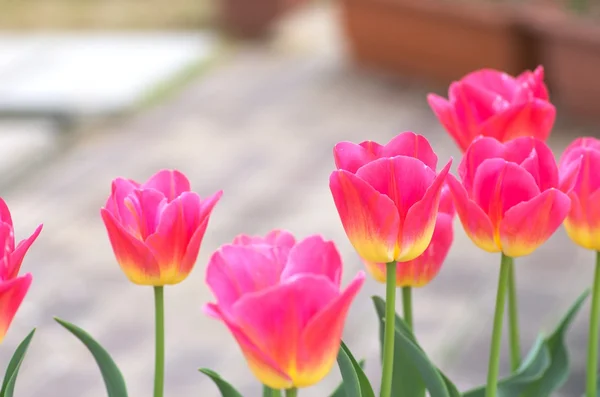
156 228
421 270
583 222
388 196
492 103
13 287
510 199
282 302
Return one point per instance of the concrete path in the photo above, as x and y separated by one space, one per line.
261 128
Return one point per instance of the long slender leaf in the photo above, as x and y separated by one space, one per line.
113 379
355 382
340 391
451 387
224 387
12 370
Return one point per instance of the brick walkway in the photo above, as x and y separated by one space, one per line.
261 128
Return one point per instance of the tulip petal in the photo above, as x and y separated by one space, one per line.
568 175
146 206
16 257
262 366
314 255
481 149
5 216
534 118
536 157
12 293
419 224
121 189
370 218
277 244
444 111
170 183
446 202
273 319
133 256
350 156
499 83
235 270
529 224
534 82
411 145
475 221
583 223
320 341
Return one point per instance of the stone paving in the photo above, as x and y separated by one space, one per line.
261 127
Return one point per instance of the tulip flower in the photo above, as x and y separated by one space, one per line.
13 287
583 222
388 196
421 270
156 228
493 104
510 199
282 302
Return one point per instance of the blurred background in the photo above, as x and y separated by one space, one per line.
250 97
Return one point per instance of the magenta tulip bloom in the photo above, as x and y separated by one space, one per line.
156 228
492 103
282 302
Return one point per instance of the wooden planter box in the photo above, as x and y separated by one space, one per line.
251 19
438 40
569 49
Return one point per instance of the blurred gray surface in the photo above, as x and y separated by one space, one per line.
261 128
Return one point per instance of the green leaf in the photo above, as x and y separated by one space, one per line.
12 371
355 381
113 379
224 387
451 387
531 369
340 391
558 371
413 372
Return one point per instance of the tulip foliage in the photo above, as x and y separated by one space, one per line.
282 298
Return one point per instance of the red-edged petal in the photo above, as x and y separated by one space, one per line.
235 270
12 293
274 319
412 145
419 224
535 118
5 216
500 185
481 149
262 366
136 260
350 156
583 223
444 111
475 221
320 340
528 225
16 257
313 255
171 183
370 218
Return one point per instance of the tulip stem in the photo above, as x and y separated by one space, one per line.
513 318
293 392
268 392
390 332
592 364
407 306
494 365
159 363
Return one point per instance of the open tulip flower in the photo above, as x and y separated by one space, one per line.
156 228
492 103
421 270
510 199
387 196
13 287
282 302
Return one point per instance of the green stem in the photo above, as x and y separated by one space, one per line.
407 306
513 318
268 392
159 363
494 365
293 392
390 333
592 364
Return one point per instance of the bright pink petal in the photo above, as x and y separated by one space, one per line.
235 270
528 225
481 149
350 156
313 255
121 189
537 158
146 206
444 111
262 366
568 175
320 340
411 145
583 223
370 218
475 221
12 293
446 201
5 213
419 224
16 257
136 260
275 318
170 183
277 244
534 82
492 80
534 118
